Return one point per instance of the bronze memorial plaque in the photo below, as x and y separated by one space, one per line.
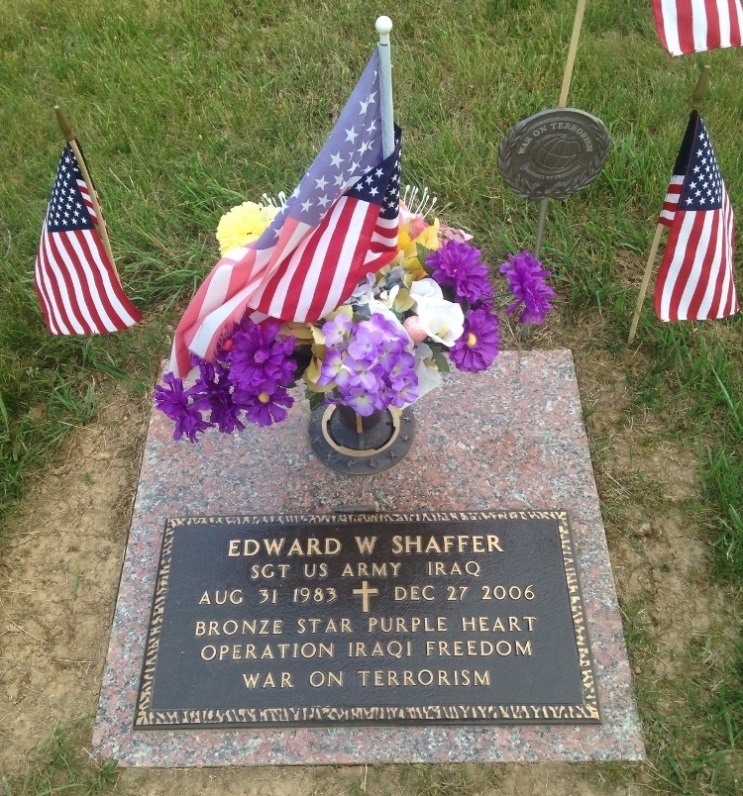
426 617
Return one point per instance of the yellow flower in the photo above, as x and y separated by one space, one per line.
301 331
243 224
429 237
426 236
312 373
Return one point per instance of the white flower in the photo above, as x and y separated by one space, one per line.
429 376
387 297
426 289
442 320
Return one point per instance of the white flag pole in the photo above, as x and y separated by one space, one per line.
384 26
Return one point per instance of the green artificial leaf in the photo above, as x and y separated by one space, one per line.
437 354
315 399
422 253
402 302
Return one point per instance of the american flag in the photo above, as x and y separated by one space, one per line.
695 280
76 281
340 224
693 26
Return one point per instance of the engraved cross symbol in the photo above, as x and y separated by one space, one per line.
365 592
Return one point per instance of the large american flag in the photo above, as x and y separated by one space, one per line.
692 26
76 281
695 279
340 223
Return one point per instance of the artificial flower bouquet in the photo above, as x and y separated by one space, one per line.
384 347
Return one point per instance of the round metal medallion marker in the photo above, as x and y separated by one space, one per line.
384 445
553 153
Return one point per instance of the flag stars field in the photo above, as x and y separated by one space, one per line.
318 247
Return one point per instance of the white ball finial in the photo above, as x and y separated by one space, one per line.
383 26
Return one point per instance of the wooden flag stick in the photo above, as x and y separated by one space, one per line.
562 103
66 129
64 125
572 51
700 89
696 103
645 282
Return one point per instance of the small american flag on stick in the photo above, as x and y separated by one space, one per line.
693 26
75 276
340 224
695 279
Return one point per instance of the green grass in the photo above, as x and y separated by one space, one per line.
187 107
62 765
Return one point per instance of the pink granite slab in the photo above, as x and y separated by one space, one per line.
512 437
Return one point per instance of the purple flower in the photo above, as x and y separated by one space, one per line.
479 344
526 281
258 355
216 387
330 367
392 335
336 331
360 401
458 265
355 373
366 342
387 357
369 363
182 406
401 370
265 406
407 393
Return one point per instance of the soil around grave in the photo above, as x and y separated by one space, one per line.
60 572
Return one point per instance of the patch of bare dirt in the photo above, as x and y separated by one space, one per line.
646 464
60 574
60 577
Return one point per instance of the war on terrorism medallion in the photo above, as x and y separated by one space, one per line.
553 153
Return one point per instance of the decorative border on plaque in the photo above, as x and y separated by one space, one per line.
144 715
586 713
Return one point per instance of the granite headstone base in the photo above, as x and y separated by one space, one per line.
512 437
